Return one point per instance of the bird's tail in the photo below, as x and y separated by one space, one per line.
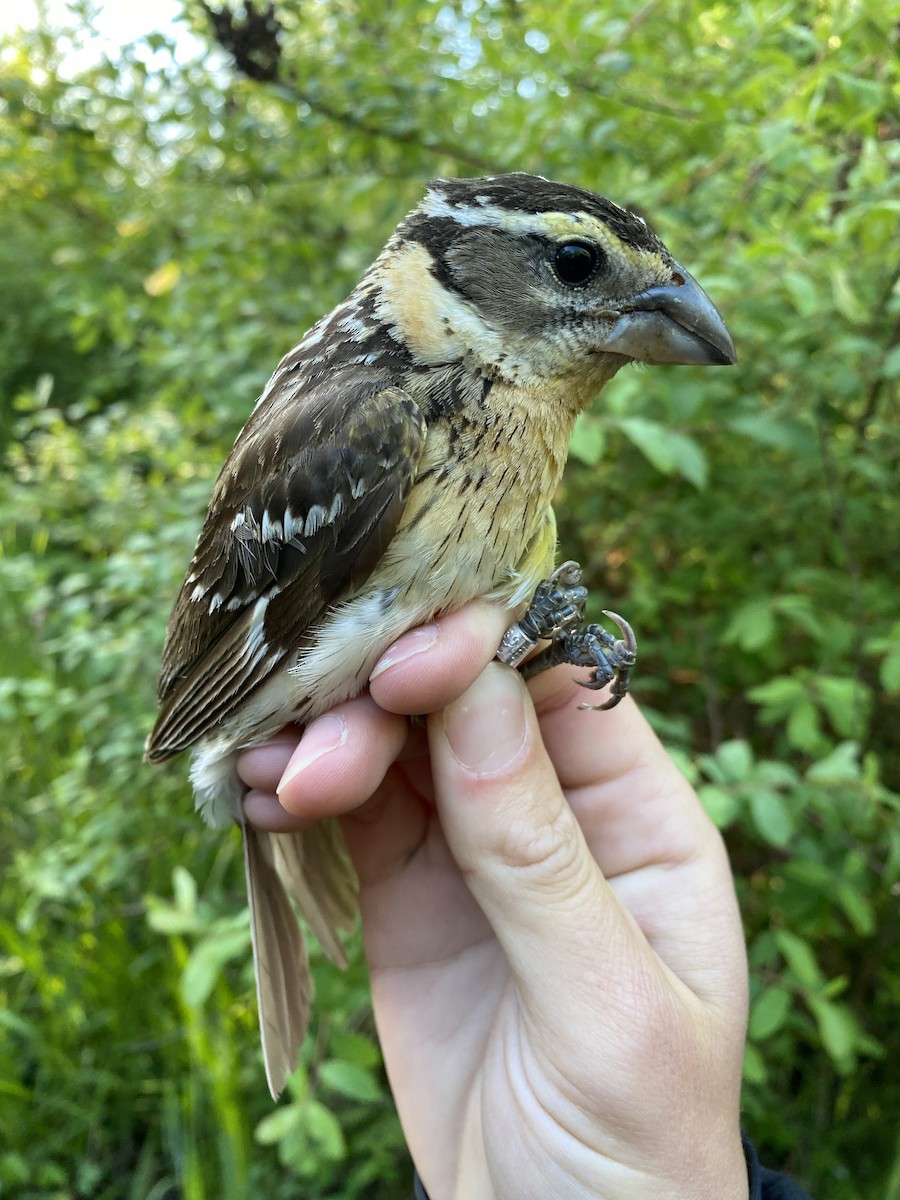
313 869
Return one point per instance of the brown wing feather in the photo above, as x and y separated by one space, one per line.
303 509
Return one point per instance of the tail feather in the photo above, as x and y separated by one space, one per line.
284 988
317 874
313 869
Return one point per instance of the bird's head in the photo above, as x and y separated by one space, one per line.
542 280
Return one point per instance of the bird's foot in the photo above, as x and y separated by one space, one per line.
554 615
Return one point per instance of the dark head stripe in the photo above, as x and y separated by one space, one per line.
532 194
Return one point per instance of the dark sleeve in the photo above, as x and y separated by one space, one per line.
764 1184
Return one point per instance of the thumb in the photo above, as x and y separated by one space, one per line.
522 852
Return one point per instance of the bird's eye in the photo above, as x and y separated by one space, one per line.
576 262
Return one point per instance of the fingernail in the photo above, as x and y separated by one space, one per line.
323 736
486 726
417 641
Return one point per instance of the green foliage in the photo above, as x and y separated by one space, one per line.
170 228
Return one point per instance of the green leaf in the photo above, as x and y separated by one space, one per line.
588 440
752 625
857 907
755 1070
356 1048
889 672
812 874
845 701
690 460
184 887
771 816
653 441
669 452
835 987
282 1123
802 612
182 915
803 727
783 433
780 694
769 1012
837 1029
803 292
166 918
736 760
720 804
324 1127
349 1079
890 368
711 768
14 1168
204 966
865 94
845 297
775 774
840 766
800 959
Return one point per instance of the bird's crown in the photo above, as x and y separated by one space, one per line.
529 203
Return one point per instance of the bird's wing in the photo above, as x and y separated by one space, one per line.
303 510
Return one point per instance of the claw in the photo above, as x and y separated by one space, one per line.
629 641
567 573
621 657
617 693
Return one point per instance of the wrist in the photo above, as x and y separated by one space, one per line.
739 1179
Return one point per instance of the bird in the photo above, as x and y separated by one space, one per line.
400 462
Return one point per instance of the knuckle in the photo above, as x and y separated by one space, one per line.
547 846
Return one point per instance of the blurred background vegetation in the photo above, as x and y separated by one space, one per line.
176 212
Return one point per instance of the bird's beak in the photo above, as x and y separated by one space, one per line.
677 323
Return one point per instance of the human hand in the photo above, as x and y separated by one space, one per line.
557 965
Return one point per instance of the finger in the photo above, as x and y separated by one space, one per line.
422 670
649 834
570 945
415 907
604 759
430 666
261 767
604 744
341 759
263 810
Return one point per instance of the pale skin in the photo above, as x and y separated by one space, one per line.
558 970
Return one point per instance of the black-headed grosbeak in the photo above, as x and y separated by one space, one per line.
400 462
